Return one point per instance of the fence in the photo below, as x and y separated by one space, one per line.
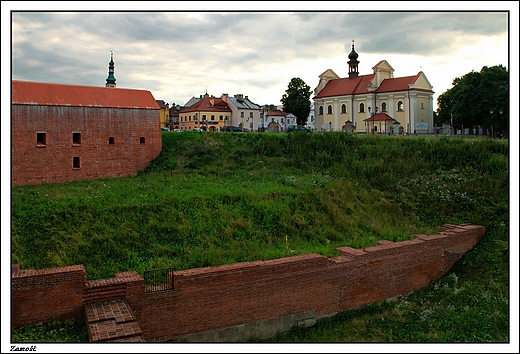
158 279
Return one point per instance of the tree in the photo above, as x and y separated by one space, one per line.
472 98
296 100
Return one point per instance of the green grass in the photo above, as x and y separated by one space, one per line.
211 199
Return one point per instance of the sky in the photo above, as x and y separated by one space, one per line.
179 55
177 51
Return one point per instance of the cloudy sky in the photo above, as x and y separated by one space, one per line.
178 55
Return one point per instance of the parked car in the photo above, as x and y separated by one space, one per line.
296 128
230 128
166 129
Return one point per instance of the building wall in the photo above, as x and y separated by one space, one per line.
135 133
247 300
164 116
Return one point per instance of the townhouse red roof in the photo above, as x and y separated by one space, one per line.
51 94
274 112
208 103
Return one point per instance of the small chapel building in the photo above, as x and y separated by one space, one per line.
377 103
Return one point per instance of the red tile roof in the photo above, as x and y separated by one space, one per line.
359 85
397 84
274 112
380 117
49 94
208 104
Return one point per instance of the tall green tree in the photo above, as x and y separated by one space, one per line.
472 98
296 100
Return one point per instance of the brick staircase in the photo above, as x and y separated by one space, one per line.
112 321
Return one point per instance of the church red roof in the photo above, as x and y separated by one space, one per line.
50 94
359 85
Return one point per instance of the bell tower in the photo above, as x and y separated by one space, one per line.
111 80
353 63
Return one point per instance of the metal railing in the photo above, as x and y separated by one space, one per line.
158 279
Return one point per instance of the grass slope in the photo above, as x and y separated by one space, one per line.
219 198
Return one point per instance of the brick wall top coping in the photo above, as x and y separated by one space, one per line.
24 273
347 254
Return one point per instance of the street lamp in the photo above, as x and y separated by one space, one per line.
491 112
372 114
330 126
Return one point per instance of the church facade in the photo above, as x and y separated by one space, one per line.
377 103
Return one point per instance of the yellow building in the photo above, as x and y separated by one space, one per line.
374 103
164 113
209 114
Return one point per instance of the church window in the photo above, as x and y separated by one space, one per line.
362 108
329 109
383 107
321 110
343 108
400 106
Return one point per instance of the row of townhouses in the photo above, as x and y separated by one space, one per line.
373 103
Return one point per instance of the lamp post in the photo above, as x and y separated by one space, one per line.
330 126
372 114
491 112
261 109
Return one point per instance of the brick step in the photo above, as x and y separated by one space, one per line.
112 321
103 331
100 293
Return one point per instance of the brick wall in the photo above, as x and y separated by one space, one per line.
32 164
46 295
243 296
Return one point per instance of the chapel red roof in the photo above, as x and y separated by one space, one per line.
51 94
380 117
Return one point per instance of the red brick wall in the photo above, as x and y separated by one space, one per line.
207 299
32 164
46 295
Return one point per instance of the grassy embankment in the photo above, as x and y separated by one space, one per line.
219 198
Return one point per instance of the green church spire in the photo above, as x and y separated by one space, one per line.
111 80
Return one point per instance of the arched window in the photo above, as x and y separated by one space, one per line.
400 106
329 109
343 108
362 108
321 110
141 140
383 107
422 105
